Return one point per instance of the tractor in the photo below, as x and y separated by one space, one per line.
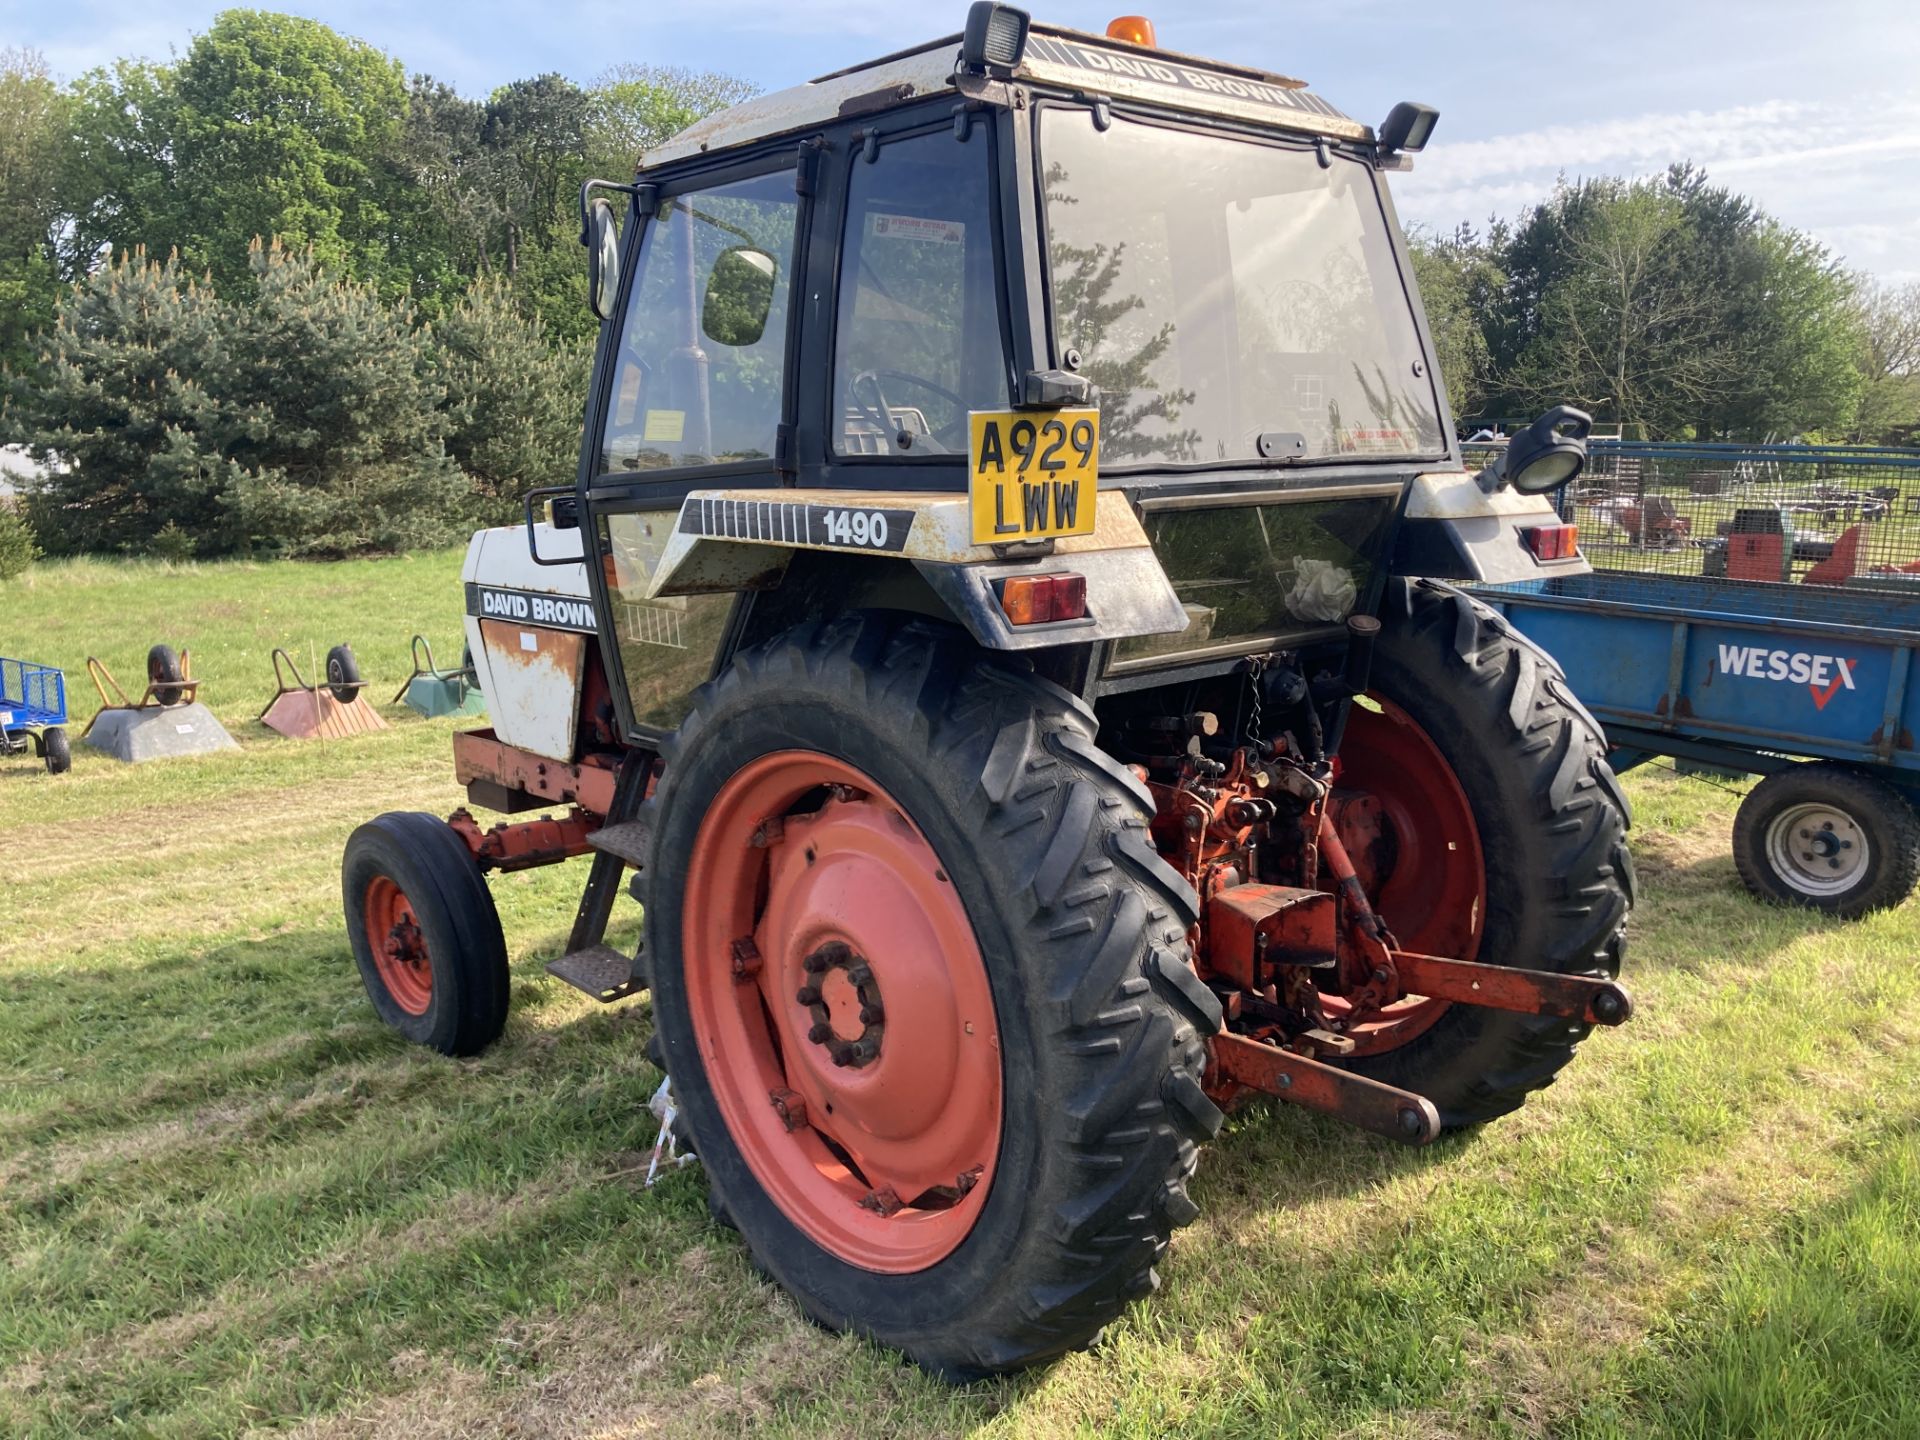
1000 633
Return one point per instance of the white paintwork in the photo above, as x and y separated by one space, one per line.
1453 495
533 694
928 70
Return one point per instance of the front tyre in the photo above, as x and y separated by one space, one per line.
425 933
1828 838
923 989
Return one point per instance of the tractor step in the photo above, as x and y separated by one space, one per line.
626 841
601 971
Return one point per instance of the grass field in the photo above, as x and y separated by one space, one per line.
229 1199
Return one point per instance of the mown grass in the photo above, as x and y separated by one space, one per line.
230 1200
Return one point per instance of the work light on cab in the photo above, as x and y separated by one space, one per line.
1544 456
995 38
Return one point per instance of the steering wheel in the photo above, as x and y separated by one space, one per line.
882 418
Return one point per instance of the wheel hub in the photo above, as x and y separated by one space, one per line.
1818 849
843 997
856 1059
400 952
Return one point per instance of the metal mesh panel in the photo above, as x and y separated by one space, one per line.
1820 515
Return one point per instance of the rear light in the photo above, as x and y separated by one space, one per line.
1043 599
1552 542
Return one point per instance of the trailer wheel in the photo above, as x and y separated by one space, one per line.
1829 838
923 989
1495 831
163 665
425 933
343 674
55 750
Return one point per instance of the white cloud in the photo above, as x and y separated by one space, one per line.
1832 168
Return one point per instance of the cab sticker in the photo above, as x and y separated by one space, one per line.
666 427
1032 475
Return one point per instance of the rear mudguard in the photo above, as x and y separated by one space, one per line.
726 540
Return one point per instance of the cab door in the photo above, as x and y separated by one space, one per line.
693 389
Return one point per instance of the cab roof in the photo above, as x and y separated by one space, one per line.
1054 57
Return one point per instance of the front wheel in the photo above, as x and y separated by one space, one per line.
425 933
923 990
55 750
1828 838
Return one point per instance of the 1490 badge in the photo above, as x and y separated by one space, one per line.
1032 474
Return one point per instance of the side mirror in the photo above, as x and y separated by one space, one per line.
601 236
739 297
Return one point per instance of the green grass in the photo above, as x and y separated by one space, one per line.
230 1199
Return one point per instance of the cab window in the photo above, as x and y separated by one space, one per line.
703 347
918 339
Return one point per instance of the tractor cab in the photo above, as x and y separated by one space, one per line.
999 633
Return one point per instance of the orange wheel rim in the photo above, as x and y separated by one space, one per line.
399 949
1407 823
842 1011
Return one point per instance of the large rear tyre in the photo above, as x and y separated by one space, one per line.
1828 838
922 985
1503 839
425 933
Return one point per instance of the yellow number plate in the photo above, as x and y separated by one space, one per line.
1033 473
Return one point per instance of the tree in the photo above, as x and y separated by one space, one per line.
1888 360
1461 284
1618 331
634 108
33 163
514 400
299 418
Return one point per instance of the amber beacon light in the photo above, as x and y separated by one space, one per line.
1134 29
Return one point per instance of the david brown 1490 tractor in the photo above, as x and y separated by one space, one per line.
1012 661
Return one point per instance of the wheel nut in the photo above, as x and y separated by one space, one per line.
820 1034
814 963
843 1055
808 995
870 1015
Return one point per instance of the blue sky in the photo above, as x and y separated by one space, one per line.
1812 109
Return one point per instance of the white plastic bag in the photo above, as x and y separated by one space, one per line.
1321 590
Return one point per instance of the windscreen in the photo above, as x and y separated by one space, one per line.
1233 300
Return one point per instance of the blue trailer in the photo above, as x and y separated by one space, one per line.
1809 687
33 709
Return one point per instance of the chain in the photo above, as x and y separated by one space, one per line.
1256 667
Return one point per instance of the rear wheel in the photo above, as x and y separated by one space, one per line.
55 750
1828 838
922 986
425 933
1486 825
164 666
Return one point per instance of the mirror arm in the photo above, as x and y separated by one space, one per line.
640 195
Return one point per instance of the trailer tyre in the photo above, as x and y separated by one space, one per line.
1828 838
1504 734
55 750
876 805
425 933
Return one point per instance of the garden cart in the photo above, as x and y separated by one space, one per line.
33 711
999 630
